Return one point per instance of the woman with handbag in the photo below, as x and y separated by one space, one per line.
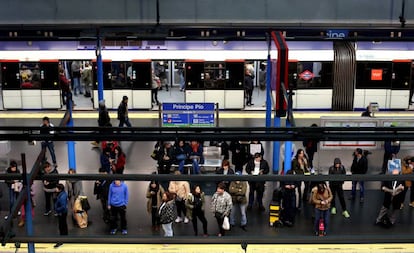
221 205
195 204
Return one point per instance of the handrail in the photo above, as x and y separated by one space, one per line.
212 133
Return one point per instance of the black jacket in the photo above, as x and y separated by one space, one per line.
359 166
337 171
264 167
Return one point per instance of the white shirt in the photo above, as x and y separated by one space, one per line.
256 170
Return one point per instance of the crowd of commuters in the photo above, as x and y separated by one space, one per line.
178 201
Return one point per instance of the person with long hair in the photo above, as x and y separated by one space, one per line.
300 166
154 196
118 163
195 204
167 213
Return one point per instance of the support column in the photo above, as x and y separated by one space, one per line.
99 65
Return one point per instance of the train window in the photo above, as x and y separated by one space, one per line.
107 75
119 75
214 75
234 75
30 75
373 75
10 75
401 75
314 75
194 75
48 76
140 75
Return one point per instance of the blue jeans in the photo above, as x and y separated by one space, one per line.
196 168
168 230
125 121
324 214
181 164
49 145
361 189
76 86
243 219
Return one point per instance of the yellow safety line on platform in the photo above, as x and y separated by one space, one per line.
222 115
213 248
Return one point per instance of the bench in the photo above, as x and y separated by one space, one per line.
212 161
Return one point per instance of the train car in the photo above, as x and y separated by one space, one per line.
340 77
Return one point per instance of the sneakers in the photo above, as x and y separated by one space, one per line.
333 210
124 231
178 220
113 231
19 213
47 213
346 214
6 217
186 220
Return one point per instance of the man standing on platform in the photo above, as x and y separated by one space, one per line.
257 166
359 166
45 129
123 112
117 204
61 210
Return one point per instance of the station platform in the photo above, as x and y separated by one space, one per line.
216 248
360 225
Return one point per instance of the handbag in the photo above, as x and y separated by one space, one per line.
154 154
226 223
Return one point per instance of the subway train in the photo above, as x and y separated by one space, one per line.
323 75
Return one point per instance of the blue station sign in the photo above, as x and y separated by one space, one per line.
188 115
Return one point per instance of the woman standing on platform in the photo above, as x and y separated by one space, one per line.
300 166
154 195
321 198
181 190
195 209
118 163
221 206
167 213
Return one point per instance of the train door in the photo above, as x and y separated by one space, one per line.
141 84
234 90
10 80
214 82
373 84
107 85
121 74
194 82
163 72
178 74
47 74
30 85
400 84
